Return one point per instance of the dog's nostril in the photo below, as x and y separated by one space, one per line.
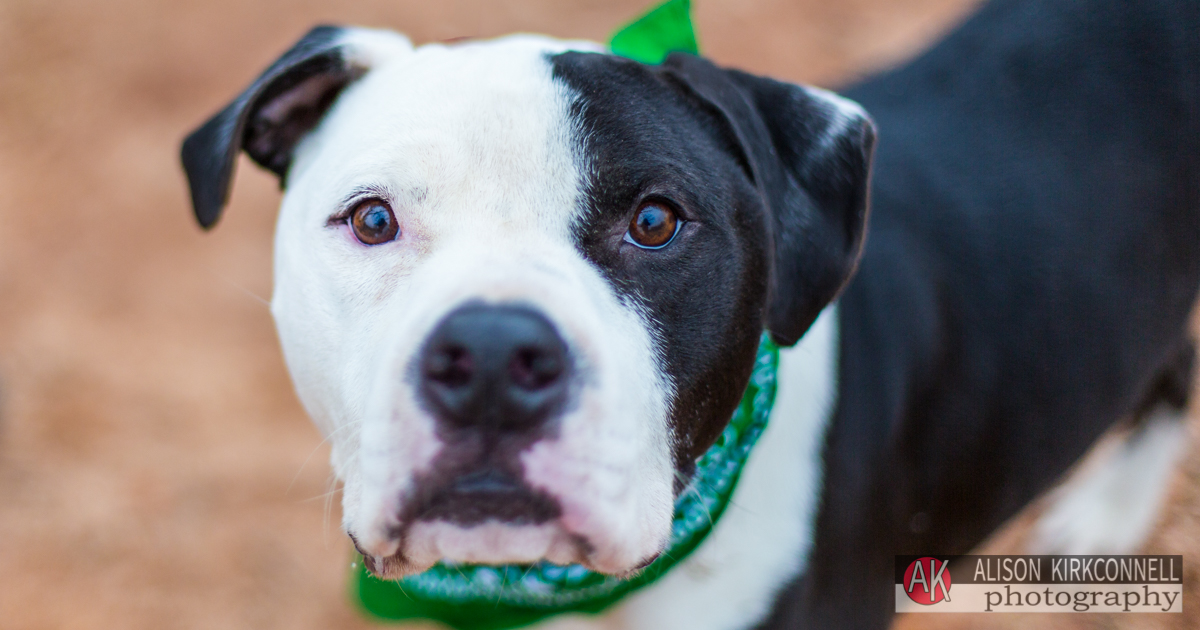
501 368
535 368
451 366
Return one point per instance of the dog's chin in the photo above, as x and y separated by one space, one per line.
494 543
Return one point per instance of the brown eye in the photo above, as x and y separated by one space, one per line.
653 226
373 222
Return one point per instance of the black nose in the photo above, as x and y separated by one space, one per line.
500 368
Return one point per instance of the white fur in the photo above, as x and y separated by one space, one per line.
763 540
473 147
842 112
1110 504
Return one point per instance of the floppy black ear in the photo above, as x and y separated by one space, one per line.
267 119
809 152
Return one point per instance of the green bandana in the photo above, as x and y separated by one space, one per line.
478 597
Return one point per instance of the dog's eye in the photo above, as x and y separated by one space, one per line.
374 222
654 225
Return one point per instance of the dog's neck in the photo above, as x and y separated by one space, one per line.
763 539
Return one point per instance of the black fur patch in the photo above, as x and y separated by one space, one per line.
705 293
772 192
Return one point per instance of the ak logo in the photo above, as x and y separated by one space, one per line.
927 581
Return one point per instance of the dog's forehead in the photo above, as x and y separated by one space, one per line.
477 122
472 86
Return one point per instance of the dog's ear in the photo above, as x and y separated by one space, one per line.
270 117
809 152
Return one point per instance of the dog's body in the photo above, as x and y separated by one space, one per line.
1034 253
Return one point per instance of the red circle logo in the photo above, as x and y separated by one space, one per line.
927 581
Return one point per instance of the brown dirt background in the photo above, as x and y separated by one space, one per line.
156 470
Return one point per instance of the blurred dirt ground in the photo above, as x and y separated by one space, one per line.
156 470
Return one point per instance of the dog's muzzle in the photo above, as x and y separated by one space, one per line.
495 378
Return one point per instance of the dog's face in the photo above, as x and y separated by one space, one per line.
520 287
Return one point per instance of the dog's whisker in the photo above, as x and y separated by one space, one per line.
241 289
319 497
323 441
334 488
303 465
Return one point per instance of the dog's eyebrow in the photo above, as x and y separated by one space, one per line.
356 195
366 192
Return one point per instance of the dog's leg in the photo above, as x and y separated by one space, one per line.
1110 504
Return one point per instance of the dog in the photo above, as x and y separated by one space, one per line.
520 285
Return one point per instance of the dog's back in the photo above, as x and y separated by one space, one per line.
1033 255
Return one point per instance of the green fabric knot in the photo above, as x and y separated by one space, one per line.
665 29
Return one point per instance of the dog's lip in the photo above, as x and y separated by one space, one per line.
645 563
477 496
489 480
369 560
486 497
398 564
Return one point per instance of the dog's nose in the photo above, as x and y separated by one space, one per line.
502 368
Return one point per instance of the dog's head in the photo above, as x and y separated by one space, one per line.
520 283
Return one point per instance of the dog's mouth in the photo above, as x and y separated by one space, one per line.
560 548
479 496
484 516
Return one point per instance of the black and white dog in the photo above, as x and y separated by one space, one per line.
520 284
